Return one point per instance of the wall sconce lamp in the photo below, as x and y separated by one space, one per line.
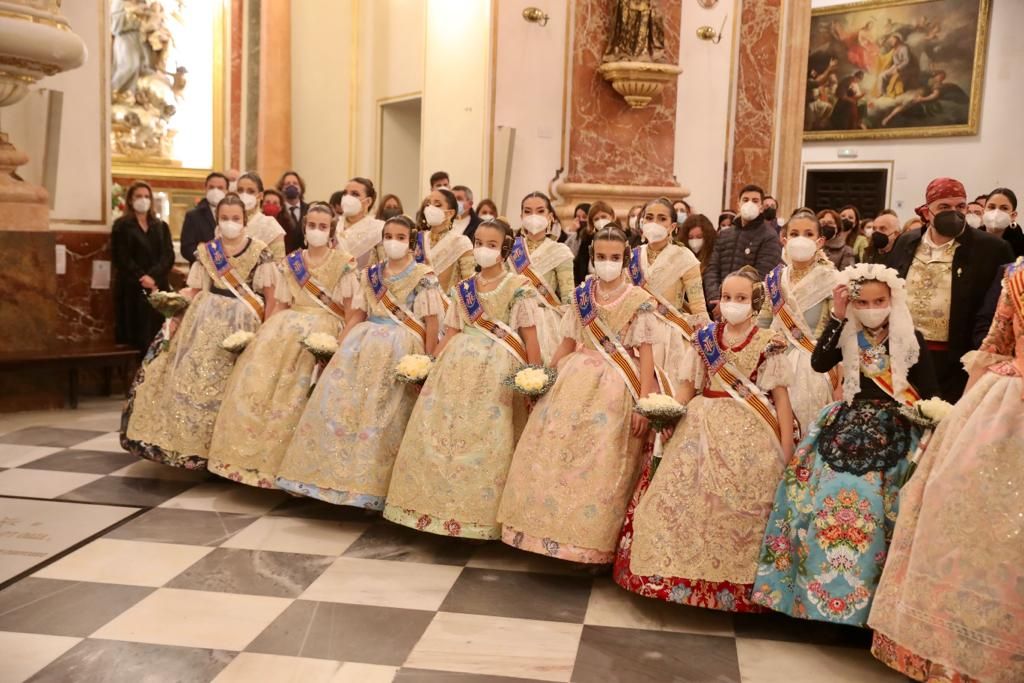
710 34
536 15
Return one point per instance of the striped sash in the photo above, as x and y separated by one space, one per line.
793 331
227 275
883 377
738 386
520 259
305 280
666 311
498 331
396 311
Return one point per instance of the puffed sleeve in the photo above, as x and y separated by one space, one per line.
524 308
282 291
347 285
198 278
691 367
644 328
776 370
570 327
276 247
266 273
452 318
693 287
359 298
427 301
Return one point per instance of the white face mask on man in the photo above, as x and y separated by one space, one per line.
213 197
749 211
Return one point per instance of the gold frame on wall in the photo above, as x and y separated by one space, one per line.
156 171
977 79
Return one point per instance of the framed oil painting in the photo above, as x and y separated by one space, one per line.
896 69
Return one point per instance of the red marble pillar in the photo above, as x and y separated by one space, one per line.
615 152
753 125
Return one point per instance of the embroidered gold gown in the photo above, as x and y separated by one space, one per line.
178 390
454 458
345 444
269 385
552 263
693 530
577 462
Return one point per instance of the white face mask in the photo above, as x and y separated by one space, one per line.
654 232
632 222
601 222
486 257
801 249
696 244
396 249
973 220
316 238
868 232
433 215
681 217
249 200
485 217
142 204
995 220
735 313
213 197
230 229
871 317
351 206
749 211
608 270
535 224
461 211
233 186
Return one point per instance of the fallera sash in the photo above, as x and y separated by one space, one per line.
498 331
666 311
883 379
396 311
1015 284
792 328
737 386
226 274
305 280
520 258
361 237
422 246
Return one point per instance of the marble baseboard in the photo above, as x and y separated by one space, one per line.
28 291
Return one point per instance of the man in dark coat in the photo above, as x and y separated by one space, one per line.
200 223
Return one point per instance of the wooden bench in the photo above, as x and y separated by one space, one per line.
73 358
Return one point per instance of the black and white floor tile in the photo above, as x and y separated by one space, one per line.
113 569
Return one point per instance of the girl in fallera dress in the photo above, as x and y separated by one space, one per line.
458 444
258 225
694 526
548 265
797 305
448 252
827 537
270 382
580 454
346 442
177 392
359 232
950 606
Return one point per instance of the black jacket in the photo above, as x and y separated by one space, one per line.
136 253
754 244
975 263
470 230
199 226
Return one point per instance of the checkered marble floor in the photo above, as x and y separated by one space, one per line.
113 569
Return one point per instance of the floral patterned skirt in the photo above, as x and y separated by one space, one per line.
827 537
912 665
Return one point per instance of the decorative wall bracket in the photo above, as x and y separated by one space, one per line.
638 82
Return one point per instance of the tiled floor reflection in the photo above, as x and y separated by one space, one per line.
137 572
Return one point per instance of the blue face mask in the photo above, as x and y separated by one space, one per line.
462 208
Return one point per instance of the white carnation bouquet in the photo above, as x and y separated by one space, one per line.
168 304
323 346
661 410
532 380
413 368
236 343
926 414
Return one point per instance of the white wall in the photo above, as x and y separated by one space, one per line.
982 162
400 151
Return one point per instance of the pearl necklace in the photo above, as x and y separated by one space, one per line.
605 297
487 281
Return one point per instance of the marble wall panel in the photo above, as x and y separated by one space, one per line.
28 317
609 142
85 314
754 120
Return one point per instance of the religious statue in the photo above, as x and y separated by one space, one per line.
144 92
638 32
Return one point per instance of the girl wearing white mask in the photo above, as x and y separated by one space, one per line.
448 251
1000 218
692 533
177 392
259 225
797 305
579 456
547 264
269 385
359 231
346 442
454 458
834 512
599 215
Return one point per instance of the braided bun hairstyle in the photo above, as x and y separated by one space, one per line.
508 235
612 232
407 223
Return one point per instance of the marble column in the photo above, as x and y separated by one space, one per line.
614 152
793 103
274 137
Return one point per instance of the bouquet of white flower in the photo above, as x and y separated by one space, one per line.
413 368
661 410
236 343
168 304
321 345
927 413
532 380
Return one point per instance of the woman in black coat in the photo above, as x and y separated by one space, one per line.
143 257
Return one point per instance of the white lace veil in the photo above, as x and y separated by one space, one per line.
903 349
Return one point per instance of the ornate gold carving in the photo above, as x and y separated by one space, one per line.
28 65
638 33
638 82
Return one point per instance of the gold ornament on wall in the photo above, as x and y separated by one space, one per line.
634 61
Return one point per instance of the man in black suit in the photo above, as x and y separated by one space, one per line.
293 187
949 267
466 219
200 222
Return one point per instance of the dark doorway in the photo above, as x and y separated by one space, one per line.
834 189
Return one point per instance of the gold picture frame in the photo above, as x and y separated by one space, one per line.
931 103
